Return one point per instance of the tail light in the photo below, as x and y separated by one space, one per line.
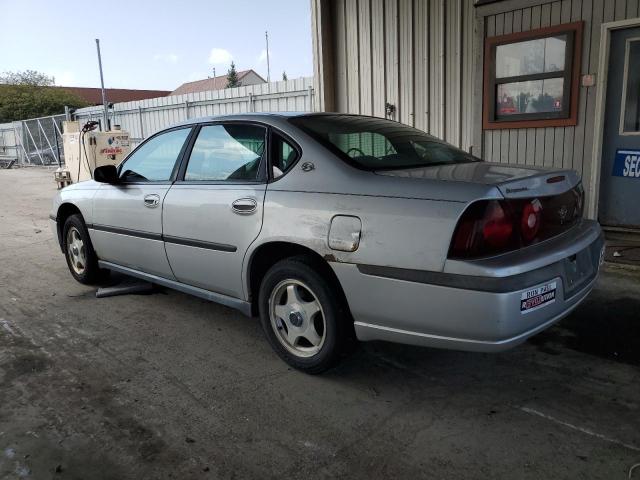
497 226
531 220
486 228
491 227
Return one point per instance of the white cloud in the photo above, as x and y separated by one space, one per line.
166 57
197 76
262 58
219 56
64 78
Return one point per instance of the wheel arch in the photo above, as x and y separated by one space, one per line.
268 254
65 210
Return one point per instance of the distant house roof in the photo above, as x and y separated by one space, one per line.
114 95
213 83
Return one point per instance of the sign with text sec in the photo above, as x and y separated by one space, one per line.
627 164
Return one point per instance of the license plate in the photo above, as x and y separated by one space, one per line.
578 269
538 297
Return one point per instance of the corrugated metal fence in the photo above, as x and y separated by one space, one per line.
35 141
408 60
145 117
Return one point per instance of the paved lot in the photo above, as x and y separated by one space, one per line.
170 386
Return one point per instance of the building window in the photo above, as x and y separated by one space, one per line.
531 78
630 118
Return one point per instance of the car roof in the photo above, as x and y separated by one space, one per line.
242 116
264 116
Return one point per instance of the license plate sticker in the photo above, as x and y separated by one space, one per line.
538 297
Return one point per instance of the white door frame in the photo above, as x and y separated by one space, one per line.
601 100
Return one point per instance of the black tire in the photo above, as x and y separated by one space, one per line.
337 320
91 274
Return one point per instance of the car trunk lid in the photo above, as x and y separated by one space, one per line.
512 181
537 205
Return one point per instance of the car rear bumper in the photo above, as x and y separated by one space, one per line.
472 312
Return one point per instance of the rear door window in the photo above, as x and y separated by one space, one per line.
227 152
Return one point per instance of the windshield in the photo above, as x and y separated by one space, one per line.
378 144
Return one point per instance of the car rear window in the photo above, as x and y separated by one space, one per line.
378 144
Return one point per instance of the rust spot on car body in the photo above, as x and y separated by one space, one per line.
330 257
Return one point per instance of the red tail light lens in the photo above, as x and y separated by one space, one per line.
497 228
491 227
486 227
531 220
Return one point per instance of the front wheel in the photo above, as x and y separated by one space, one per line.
81 258
303 315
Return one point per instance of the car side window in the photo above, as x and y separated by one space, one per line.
283 157
155 160
231 152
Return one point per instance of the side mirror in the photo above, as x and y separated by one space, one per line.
106 174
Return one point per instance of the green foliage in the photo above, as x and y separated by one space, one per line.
284 76
31 94
232 77
543 103
20 102
28 77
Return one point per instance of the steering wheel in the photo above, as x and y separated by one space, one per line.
357 150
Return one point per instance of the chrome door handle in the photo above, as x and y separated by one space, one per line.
244 206
152 201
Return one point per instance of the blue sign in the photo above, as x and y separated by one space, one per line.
627 164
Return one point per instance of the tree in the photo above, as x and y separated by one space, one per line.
32 94
284 76
232 77
28 77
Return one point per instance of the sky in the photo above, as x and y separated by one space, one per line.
154 44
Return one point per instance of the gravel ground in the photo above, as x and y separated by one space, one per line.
170 386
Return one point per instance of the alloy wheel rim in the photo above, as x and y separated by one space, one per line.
76 251
297 318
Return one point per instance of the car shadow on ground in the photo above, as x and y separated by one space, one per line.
602 326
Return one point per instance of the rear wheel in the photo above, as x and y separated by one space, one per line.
302 315
81 257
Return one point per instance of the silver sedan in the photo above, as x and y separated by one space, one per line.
336 227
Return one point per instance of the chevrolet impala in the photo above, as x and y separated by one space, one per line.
334 227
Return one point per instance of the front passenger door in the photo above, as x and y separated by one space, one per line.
214 210
127 216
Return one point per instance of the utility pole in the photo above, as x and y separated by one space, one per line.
266 36
214 72
105 117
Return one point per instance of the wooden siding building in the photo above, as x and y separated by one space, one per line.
436 65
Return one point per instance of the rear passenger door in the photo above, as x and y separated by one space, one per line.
213 211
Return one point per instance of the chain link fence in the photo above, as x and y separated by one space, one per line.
36 141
